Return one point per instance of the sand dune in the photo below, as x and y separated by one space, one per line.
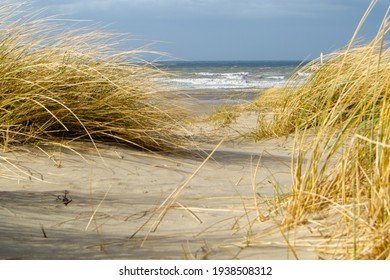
117 195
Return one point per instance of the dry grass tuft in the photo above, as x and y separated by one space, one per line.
265 105
225 115
58 84
341 117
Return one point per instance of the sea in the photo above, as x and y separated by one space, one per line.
226 81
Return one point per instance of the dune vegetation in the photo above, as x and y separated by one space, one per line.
60 84
341 121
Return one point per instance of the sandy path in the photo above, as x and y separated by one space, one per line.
213 217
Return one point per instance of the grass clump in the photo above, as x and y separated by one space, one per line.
264 104
61 84
341 117
225 115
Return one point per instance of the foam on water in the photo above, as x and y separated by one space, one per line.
206 80
228 75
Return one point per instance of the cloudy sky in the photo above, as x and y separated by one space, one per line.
230 29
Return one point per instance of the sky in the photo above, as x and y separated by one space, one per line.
229 29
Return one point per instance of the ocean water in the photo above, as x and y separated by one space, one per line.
214 83
225 75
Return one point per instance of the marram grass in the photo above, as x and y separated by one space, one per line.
264 104
341 120
58 84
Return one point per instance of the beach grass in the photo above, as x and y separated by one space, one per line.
264 104
60 84
341 120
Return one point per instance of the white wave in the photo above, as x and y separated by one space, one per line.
208 82
304 74
209 79
228 82
276 77
216 74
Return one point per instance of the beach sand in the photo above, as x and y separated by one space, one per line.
118 197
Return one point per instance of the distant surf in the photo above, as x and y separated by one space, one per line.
228 74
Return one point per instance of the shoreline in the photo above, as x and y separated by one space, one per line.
206 101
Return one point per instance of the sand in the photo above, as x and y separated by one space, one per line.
117 198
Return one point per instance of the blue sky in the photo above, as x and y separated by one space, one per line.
229 29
